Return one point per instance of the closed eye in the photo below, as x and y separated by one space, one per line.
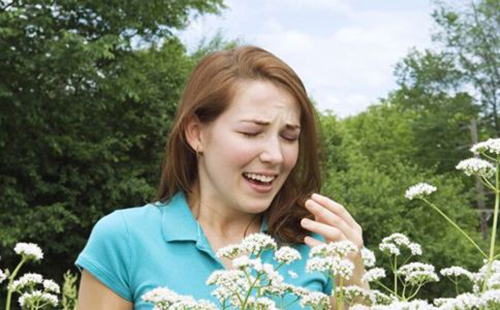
252 134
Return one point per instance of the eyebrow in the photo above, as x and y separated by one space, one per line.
264 123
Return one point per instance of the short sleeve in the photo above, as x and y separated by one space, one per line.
107 255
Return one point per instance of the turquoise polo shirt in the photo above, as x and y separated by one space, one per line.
135 250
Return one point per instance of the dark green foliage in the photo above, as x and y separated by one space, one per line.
372 188
83 115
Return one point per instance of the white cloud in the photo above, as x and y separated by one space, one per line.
344 54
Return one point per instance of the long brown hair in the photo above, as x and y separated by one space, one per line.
207 94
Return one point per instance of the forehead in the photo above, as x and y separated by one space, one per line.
265 101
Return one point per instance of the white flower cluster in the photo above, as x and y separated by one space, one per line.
490 299
337 266
30 299
419 190
339 248
30 251
258 242
456 272
28 279
353 292
476 166
368 258
374 274
250 274
51 286
330 258
490 146
228 282
462 301
3 276
231 251
34 297
262 303
418 273
287 255
416 304
392 244
164 299
316 300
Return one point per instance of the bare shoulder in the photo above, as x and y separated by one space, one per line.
93 294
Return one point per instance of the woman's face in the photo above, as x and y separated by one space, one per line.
255 138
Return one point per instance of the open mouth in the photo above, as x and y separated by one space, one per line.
259 179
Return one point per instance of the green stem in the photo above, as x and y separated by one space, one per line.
486 183
416 292
11 279
243 306
395 271
456 226
388 289
494 229
340 299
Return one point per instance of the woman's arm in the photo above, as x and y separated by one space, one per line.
93 295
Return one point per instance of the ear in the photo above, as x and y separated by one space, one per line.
194 133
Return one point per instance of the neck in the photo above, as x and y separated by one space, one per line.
223 222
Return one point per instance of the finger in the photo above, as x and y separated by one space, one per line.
328 232
335 208
310 241
325 216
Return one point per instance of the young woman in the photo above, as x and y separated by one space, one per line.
241 158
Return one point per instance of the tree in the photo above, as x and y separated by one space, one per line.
374 194
84 115
469 33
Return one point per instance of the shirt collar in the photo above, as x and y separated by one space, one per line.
179 224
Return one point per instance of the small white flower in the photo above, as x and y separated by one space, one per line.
37 297
462 301
419 190
262 303
368 258
29 250
490 146
476 166
490 299
359 307
3 276
231 251
494 281
163 298
316 300
353 292
418 273
287 255
415 248
392 244
389 248
374 274
28 279
51 286
339 267
456 271
339 248
258 242
293 274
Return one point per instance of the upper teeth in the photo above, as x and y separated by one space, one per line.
260 177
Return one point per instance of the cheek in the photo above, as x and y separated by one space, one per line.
236 151
291 156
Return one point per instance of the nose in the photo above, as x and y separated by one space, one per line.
271 152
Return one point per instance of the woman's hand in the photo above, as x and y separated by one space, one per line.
334 223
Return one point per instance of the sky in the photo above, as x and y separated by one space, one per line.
344 51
